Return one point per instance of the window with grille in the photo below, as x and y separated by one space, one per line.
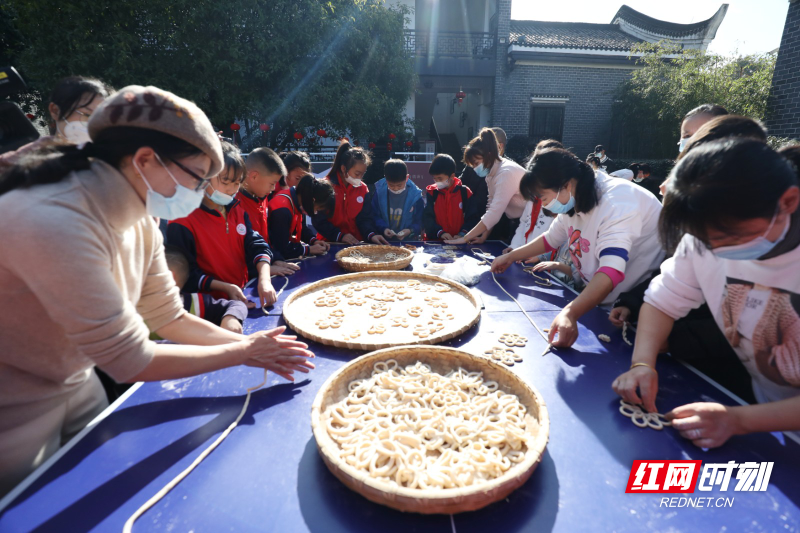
547 122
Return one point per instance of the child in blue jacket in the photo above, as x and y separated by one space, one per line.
397 204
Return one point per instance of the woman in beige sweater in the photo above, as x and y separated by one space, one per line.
83 279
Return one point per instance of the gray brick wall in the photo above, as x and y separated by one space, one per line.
784 105
587 114
503 32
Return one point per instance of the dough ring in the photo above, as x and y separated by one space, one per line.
377 329
323 323
423 288
337 313
441 287
442 315
413 283
401 297
436 302
642 418
379 309
415 311
330 292
335 322
513 340
399 322
326 301
348 293
421 331
353 335
504 355
603 337
357 301
435 326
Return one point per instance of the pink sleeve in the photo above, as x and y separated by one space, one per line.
615 275
547 247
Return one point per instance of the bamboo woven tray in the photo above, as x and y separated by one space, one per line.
432 501
373 257
304 316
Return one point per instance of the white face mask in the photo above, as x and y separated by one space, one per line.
442 184
401 191
219 198
75 132
598 154
179 205
353 181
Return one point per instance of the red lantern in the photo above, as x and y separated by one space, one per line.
409 144
460 95
322 133
389 146
371 146
392 136
264 127
30 116
298 136
235 127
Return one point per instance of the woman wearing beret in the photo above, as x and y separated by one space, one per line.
83 279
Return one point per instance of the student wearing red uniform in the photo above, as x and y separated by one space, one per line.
289 234
220 242
450 210
297 165
263 171
350 221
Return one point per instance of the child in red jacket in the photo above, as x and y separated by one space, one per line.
219 240
350 221
450 210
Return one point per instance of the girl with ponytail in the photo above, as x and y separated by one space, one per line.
610 227
288 232
350 220
502 180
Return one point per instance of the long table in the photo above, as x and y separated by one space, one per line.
268 476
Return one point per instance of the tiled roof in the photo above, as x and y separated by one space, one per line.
583 35
660 27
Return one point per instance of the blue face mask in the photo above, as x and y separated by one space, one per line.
751 250
682 144
219 198
179 205
557 207
481 171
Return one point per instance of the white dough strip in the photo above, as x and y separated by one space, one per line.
172 484
414 428
523 312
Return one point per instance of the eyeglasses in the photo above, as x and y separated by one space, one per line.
202 181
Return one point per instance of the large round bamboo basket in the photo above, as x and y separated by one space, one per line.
376 254
432 501
303 322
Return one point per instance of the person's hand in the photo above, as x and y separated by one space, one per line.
566 327
706 424
266 292
544 266
642 379
389 233
446 236
500 264
403 234
480 239
282 354
349 238
318 248
282 268
508 250
378 239
231 323
459 240
235 293
325 244
619 315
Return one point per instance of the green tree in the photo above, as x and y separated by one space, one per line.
669 82
297 64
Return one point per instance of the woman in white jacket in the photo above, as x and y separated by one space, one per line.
502 179
732 210
610 226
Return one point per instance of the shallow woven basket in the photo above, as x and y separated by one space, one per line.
297 321
376 253
431 501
